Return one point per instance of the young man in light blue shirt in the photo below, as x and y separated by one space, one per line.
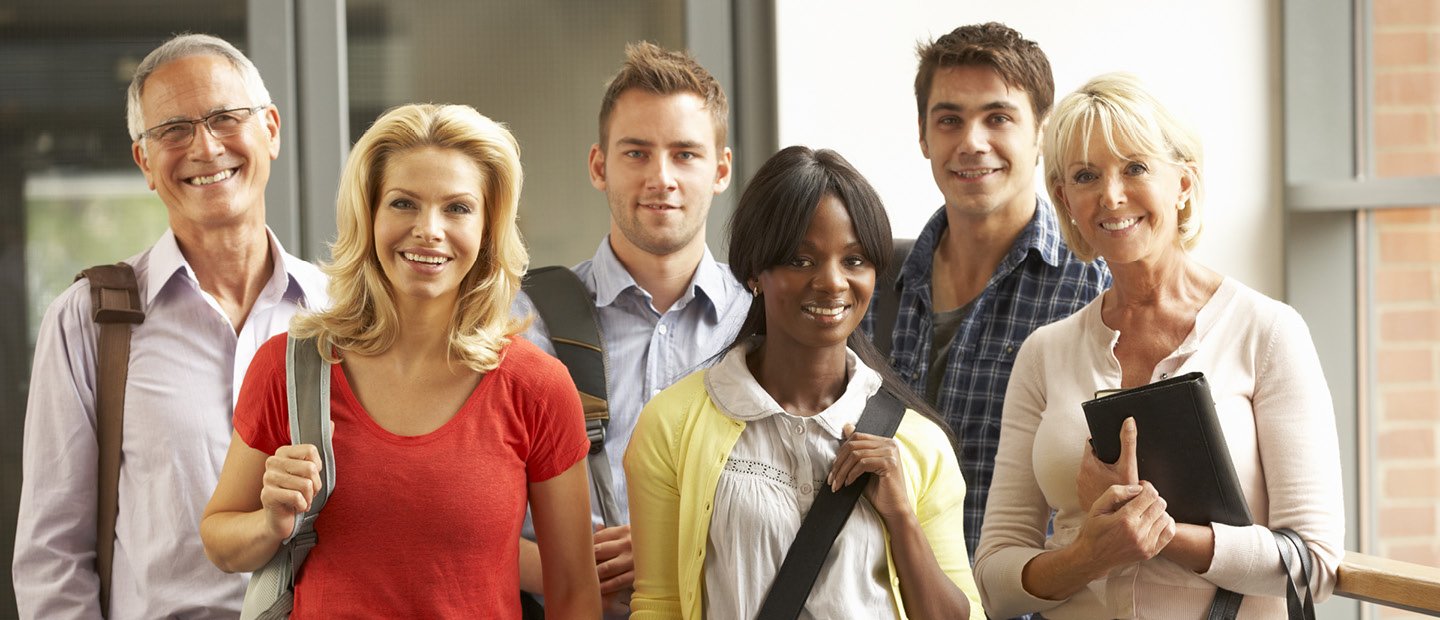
664 304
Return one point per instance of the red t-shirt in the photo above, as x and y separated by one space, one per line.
425 527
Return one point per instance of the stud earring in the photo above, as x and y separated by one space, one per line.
755 291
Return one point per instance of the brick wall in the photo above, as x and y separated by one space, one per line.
1405 413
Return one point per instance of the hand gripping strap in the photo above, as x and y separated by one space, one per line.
569 314
271 593
823 523
307 384
114 306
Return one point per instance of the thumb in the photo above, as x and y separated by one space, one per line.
847 431
1129 438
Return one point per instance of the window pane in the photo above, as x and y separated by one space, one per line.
1403 269
1405 65
1404 422
539 66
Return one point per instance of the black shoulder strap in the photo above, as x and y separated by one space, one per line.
569 314
1226 604
115 306
1297 605
823 523
887 298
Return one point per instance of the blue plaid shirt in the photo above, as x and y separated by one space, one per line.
1039 281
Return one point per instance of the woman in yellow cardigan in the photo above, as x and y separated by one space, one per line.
724 465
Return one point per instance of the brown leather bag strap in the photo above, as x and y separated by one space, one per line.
115 304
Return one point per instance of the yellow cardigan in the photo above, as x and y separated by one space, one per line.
679 447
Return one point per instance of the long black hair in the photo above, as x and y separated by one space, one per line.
772 218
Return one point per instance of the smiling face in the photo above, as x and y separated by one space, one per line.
818 298
1126 205
660 171
429 223
982 139
212 182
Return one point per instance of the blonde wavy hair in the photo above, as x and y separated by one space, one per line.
1125 114
363 317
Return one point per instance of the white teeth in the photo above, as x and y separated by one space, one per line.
214 178
824 311
421 258
1119 225
974 174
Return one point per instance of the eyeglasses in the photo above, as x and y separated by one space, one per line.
222 124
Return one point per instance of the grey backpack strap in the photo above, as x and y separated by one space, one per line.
115 306
271 592
307 382
569 314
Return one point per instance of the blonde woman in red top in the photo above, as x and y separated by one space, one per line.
445 422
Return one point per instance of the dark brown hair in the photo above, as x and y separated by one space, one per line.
659 71
1018 61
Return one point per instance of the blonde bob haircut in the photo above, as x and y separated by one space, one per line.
363 317
1131 122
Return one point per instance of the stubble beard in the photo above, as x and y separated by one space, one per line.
658 241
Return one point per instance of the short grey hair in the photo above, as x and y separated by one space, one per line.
182 46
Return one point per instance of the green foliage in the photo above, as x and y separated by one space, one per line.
67 234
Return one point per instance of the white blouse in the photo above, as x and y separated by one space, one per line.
769 482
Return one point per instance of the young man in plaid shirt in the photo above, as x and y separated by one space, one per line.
990 266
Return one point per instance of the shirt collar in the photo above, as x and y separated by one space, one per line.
740 397
1041 234
612 279
166 260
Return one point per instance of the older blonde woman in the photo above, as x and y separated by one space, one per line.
445 422
1126 180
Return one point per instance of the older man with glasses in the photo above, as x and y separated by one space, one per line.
214 287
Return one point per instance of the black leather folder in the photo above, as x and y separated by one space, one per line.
1181 447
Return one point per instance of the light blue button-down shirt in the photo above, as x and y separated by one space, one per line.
647 350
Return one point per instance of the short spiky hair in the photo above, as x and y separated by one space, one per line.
1018 61
659 71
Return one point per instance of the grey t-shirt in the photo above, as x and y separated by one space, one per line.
946 324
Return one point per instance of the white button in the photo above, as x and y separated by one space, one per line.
654 393
799 429
805 488
662 329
